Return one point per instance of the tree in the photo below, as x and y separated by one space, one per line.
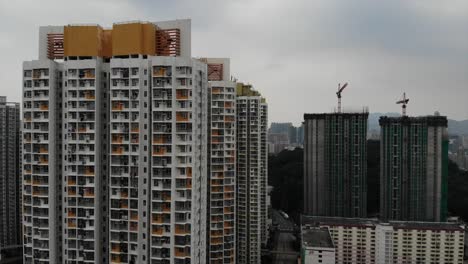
285 174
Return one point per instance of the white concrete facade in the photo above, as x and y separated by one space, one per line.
317 255
84 133
251 176
222 171
42 172
222 163
115 154
361 241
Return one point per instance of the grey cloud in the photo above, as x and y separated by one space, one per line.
295 52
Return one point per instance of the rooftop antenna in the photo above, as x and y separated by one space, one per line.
340 89
403 103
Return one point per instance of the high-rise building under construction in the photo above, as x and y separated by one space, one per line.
413 168
335 164
10 174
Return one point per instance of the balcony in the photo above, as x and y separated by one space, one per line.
89 96
161 139
39 182
44 107
182 117
216 90
71 223
157 231
216 240
134 216
117 139
182 230
89 193
166 208
133 226
117 106
181 253
115 259
181 95
161 72
115 248
157 219
87 74
159 151
228 225
117 151
89 172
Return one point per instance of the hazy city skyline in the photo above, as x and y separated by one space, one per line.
294 52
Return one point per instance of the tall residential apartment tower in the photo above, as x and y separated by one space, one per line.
115 146
335 164
251 229
222 163
413 168
42 162
10 175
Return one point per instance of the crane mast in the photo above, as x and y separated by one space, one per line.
338 94
404 101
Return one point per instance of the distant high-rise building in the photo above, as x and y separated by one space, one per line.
292 134
221 163
284 135
335 164
10 174
413 168
115 146
300 134
278 128
461 158
277 142
252 118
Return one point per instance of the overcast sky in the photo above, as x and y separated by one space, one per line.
293 51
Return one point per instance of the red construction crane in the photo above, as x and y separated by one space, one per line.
404 101
340 89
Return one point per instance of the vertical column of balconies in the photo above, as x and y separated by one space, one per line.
36 164
242 180
217 175
183 160
222 178
254 180
230 174
80 168
263 171
162 163
124 171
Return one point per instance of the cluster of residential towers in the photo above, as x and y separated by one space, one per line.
135 152
413 166
412 227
